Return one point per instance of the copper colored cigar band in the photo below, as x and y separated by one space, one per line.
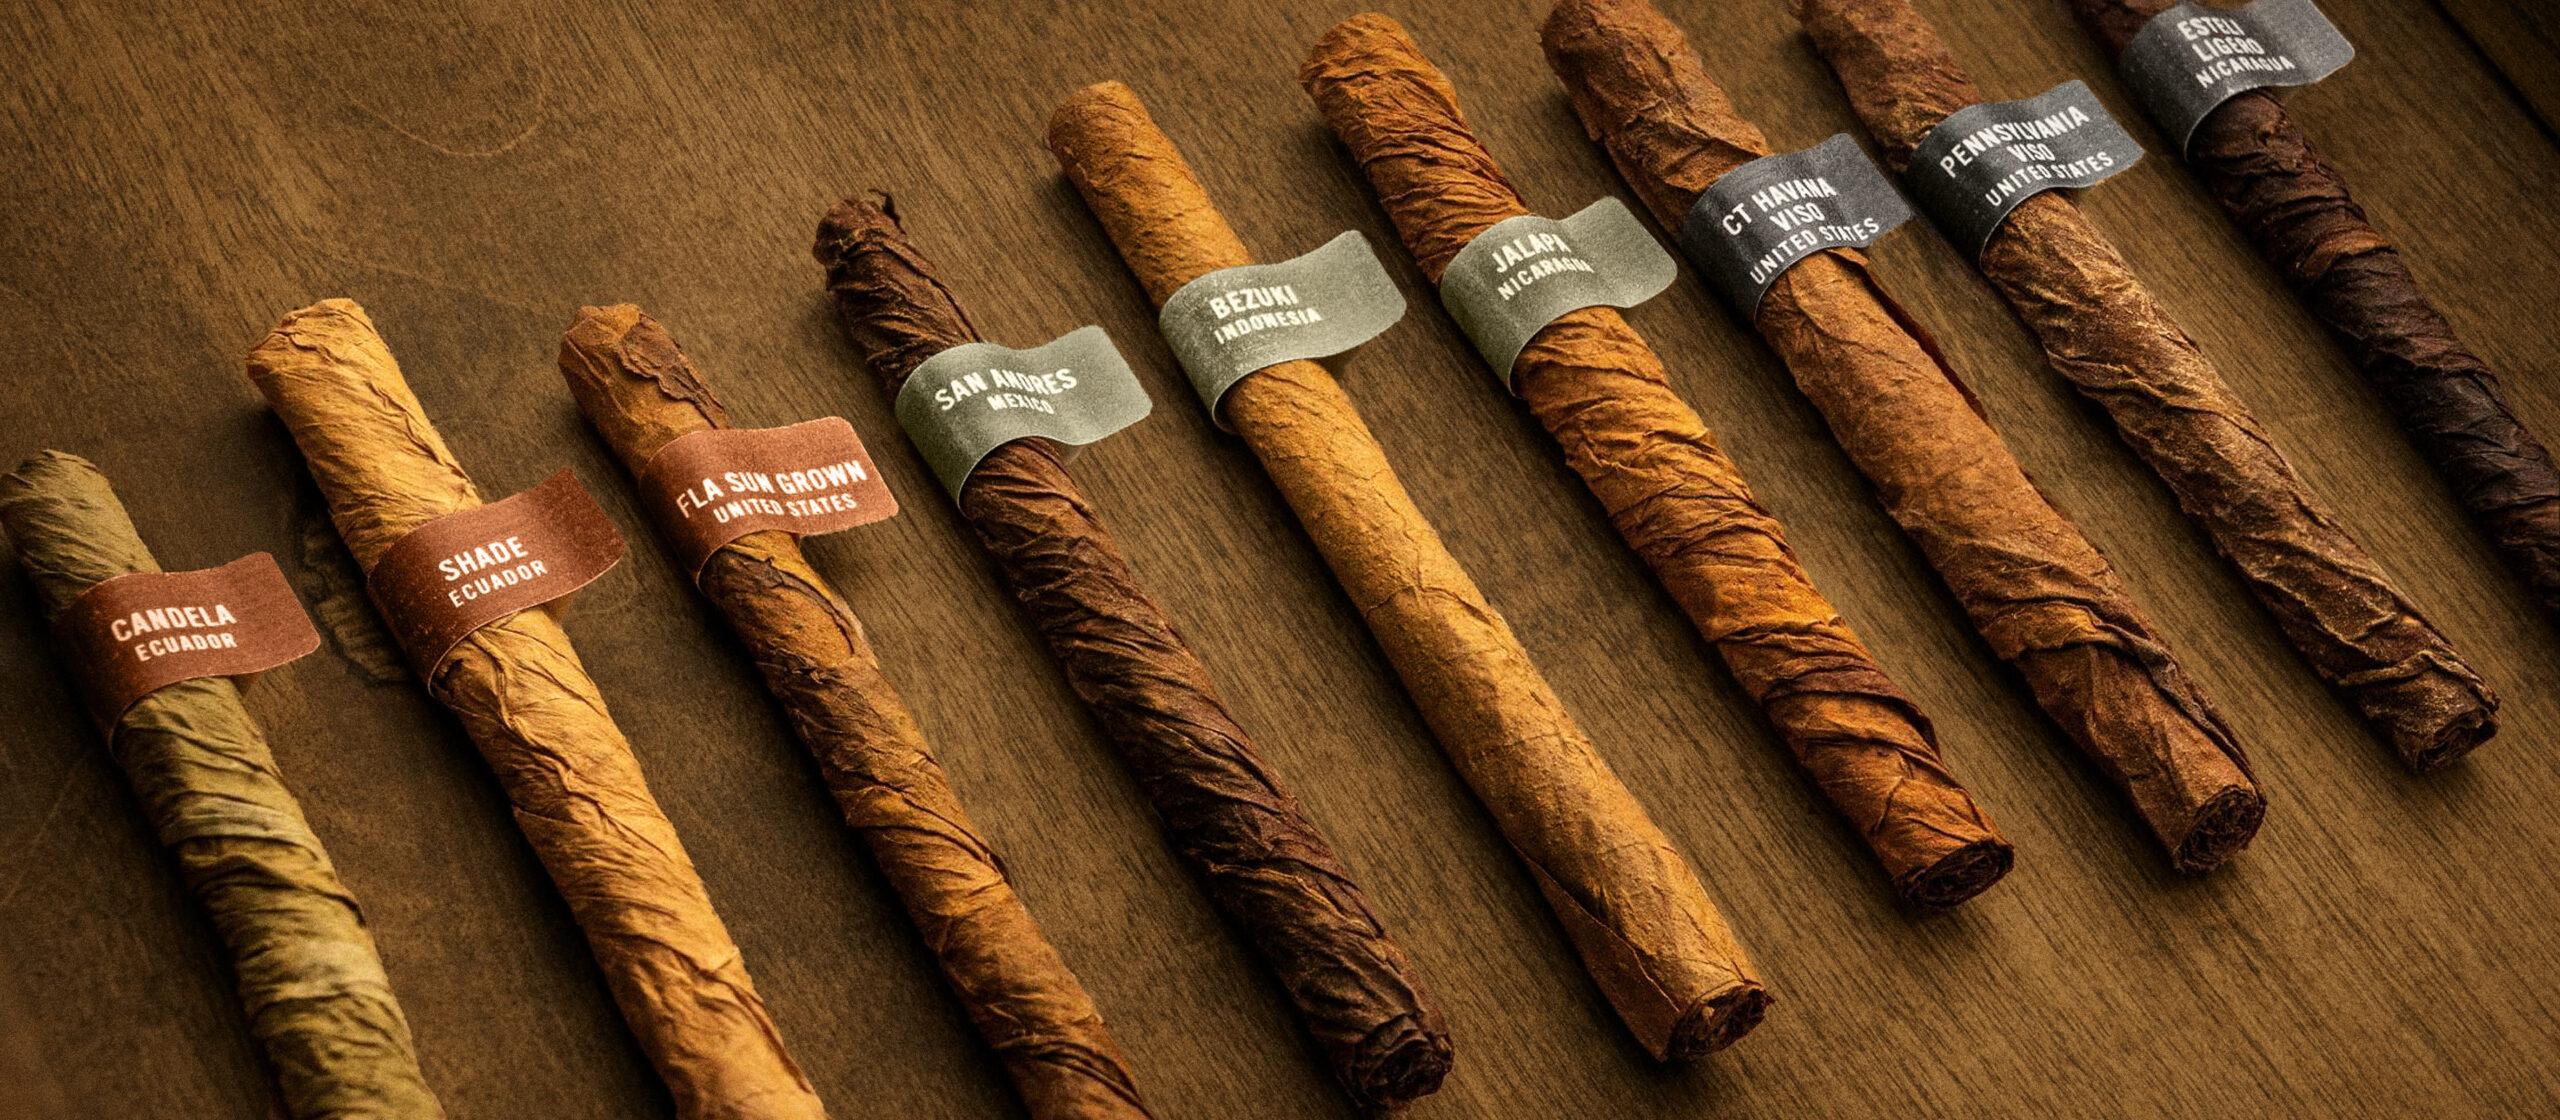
2192 57
1760 219
1983 160
467 569
1526 272
1227 324
705 489
975 397
138 633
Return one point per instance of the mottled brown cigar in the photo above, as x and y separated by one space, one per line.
1652 939
310 981
1676 498
527 703
2293 204
2039 593
2105 333
1241 831
641 393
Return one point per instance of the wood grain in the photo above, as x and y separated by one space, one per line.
475 171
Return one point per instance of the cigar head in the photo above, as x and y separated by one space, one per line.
70 530
2225 825
1141 189
1899 76
1398 116
1401 1062
634 384
1718 1022
331 378
1643 93
1957 876
892 306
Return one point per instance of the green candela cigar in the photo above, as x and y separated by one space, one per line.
312 987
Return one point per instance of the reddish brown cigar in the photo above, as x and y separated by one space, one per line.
2102 330
642 393
2038 592
1651 937
1681 504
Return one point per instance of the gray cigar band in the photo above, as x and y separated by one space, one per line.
1226 324
1528 271
973 398
1761 218
1983 160
2191 58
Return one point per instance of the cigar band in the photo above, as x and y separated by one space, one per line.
705 489
451 576
975 397
1227 324
1985 159
1525 272
2191 57
1757 221
128 637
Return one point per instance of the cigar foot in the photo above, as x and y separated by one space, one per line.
1957 876
2453 740
1717 1023
1409 1064
2225 825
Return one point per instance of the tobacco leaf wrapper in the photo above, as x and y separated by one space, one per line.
310 981
1678 500
528 704
1660 950
2293 204
2106 334
2038 592
1241 831
641 393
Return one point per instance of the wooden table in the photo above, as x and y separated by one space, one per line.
473 172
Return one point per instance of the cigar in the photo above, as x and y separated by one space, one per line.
2039 592
527 703
2293 204
641 393
2103 331
1650 936
1223 806
1675 496
310 981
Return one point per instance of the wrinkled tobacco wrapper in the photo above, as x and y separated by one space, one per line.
314 991
1238 828
2039 593
1646 929
527 703
642 394
2105 333
2293 204
1673 494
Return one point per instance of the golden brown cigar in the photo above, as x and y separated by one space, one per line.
641 393
527 703
2038 592
1644 924
2104 332
1680 502
1223 806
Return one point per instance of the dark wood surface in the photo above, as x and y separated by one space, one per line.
474 172
2520 38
